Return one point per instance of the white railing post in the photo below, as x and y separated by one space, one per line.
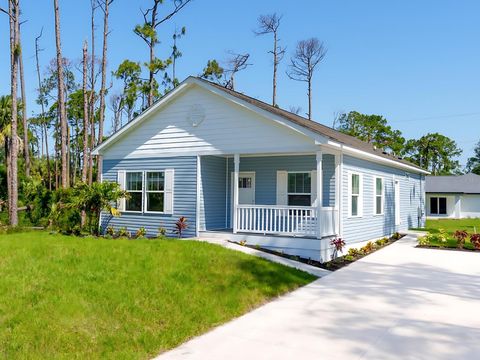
236 163
338 191
319 193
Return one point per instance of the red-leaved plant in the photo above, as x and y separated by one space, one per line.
339 244
460 236
475 240
180 225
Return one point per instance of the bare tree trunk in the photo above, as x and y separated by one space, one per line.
26 151
14 13
101 119
44 124
85 115
310 98
61 100
92 94
275 65
104 74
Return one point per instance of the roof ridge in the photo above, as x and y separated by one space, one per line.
311 124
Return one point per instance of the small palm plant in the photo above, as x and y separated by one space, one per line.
180 225
95 198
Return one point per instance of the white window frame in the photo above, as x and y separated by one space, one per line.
309 172
135 191
375 196
360 195
146 192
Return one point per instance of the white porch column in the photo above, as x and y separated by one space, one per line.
458 206
319 192
236 163
338 192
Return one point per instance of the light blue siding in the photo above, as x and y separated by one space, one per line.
213 193
184 194
371 226
266 168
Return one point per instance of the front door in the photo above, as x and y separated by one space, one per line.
246 188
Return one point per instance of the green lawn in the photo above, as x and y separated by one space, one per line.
67 297
451 225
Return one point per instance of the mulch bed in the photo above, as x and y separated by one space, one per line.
331 265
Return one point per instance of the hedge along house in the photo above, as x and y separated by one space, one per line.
240 169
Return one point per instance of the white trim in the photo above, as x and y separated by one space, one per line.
382 204
360 195
319 184
236 167
197 215
135 191
226 194
379 159
146 191
339 192
397 201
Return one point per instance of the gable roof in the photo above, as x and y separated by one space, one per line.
299 121
463 184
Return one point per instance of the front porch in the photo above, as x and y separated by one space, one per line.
271 199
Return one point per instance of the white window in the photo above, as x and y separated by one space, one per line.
155 191
149 191
134 187
379 197
355 187
299 188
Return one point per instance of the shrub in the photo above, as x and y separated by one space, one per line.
123 232
381 242
460 236
424 241
110 231
141 232
475 240
162 232
353 252
396 236
368 248
180 226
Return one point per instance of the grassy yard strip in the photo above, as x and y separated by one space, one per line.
451 225
63 296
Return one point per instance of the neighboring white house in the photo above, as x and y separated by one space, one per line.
241 169
453 197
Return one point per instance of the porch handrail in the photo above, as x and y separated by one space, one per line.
277 219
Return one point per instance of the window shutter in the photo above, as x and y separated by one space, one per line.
168 200
121 183
282 183
313 186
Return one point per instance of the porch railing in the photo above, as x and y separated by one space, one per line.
286 220
328 221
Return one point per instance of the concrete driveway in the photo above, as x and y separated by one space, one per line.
398 303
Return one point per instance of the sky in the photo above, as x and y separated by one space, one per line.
415 62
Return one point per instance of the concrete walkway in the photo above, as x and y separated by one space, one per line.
397 303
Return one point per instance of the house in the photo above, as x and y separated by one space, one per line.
241 169
455 197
